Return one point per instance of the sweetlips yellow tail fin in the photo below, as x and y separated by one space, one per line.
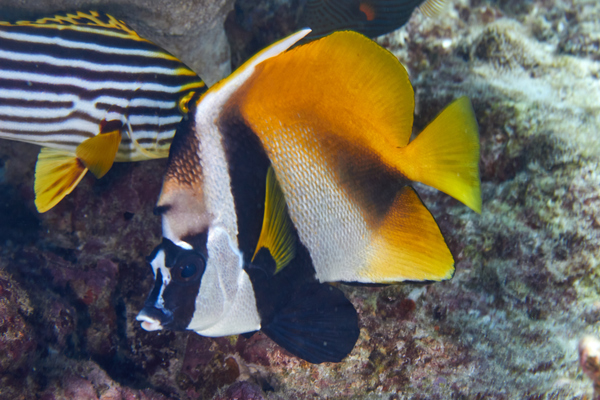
408 245
446 154
98 152
57 172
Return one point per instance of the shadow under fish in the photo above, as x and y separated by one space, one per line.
294 172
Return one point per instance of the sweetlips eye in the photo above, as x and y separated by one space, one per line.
188 268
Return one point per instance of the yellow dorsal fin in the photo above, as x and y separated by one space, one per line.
276 233
98 152
408 245
446 154
373 103
57 172
90 19
433 8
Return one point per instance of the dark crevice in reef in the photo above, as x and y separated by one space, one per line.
17 222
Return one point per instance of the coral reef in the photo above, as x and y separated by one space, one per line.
507 325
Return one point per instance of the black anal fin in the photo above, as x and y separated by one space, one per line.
318 324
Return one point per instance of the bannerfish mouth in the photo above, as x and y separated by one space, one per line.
149 321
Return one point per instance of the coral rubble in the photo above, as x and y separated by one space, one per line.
506 326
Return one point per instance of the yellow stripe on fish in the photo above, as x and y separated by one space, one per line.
69 78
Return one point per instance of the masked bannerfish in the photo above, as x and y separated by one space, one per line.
293 172
90 91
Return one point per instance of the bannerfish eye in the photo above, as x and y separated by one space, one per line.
189 268
188 271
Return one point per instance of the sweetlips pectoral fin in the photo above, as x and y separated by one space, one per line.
408 245
318 324
446 154
98 153
57 173
276 233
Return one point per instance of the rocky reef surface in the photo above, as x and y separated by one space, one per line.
506 326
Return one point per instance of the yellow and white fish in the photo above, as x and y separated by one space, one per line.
90 91
293 172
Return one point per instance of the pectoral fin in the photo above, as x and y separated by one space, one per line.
98 152
57 172
276 233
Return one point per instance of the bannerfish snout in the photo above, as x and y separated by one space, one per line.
152 316
153 319
177 275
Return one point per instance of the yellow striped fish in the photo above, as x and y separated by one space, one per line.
90 91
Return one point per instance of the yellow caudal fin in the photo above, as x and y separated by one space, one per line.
57 172
98 152
408 245
446 154
276 232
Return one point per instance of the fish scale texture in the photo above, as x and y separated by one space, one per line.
315 212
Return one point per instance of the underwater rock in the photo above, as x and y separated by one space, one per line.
254 24
241 391
206 366
506 326
87 381
17 341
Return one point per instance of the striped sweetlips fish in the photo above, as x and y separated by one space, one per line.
294 172
90 91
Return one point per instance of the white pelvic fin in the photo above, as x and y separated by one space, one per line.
225 304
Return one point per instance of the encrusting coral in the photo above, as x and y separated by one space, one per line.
506 326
